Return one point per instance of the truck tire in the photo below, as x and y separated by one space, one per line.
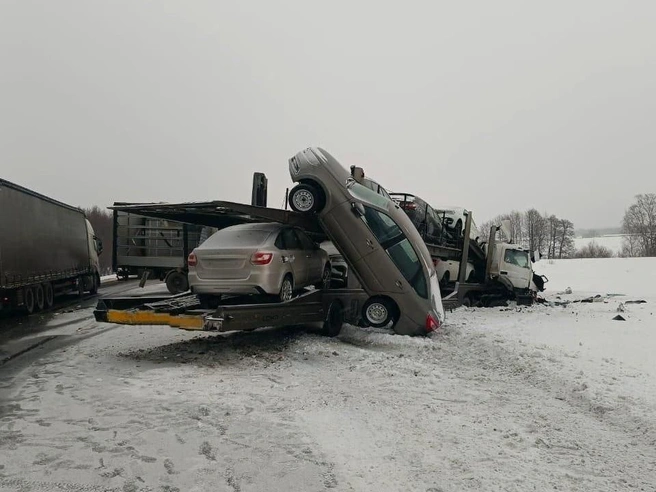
28 300
176 282
39 297
332 325
48 295
95 284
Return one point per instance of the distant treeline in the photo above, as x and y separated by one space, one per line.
553 237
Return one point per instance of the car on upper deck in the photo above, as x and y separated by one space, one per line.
376 238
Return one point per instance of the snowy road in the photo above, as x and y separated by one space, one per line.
499 400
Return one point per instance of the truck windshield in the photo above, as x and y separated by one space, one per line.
516 257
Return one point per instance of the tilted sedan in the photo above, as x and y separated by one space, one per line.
262 258
377 239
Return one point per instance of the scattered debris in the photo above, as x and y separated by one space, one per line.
639 301
620 308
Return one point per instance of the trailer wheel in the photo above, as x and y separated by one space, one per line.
95 284
48 295
28 300
39 300
379 311
332 326
176 282
306 198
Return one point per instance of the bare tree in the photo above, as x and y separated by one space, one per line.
594 250
566 244
536 230
640 224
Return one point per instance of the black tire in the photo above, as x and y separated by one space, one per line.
48 295
332 326
459 229
96 285
80 286
467 302
379 312
177 283
28 300
306 198
326 276
39 297
471 277
286 292
446 278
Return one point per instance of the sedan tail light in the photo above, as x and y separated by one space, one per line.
261 258
432 324
192 260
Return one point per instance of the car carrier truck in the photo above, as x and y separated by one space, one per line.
47 248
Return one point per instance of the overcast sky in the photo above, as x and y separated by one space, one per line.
488 105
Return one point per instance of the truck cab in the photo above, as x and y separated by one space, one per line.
511 265
95 249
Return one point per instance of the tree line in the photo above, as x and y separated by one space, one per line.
553 237
546 234
549 235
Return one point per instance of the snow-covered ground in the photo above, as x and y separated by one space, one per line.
548 397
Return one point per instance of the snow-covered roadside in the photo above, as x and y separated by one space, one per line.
538 398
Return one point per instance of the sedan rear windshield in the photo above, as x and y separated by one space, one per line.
237 237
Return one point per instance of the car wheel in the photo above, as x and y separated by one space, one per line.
378 312
459 230
326 277
286 289
446 278
176 282
48 295
305 198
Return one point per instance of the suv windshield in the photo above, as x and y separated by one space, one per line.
398 247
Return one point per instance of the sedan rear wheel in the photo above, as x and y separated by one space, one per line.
305 198
286 289
378 312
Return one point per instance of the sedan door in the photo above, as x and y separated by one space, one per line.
313 257
294 255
